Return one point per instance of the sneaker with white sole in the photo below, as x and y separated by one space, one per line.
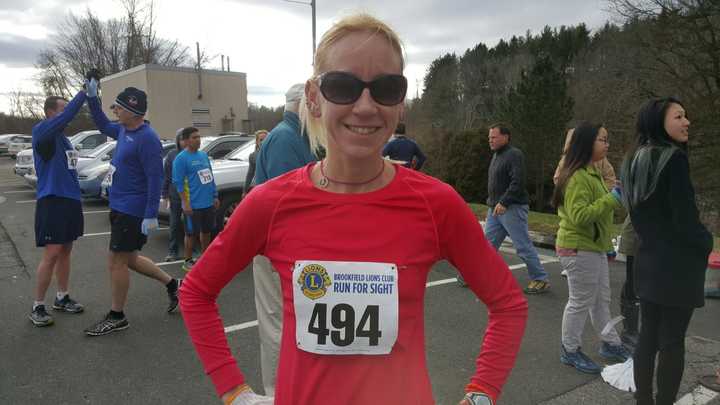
68 304
40 317
107 325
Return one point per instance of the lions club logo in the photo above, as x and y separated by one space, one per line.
314 281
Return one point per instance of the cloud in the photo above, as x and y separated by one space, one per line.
17 51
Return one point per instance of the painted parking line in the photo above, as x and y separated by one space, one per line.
96 212
246 325
699 396
241 326
19 191
169 263
87 235
25 202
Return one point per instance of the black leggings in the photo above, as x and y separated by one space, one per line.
662 330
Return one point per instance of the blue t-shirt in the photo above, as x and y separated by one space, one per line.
54 157
283 150
136 167
193 175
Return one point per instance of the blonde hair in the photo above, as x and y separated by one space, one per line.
359 22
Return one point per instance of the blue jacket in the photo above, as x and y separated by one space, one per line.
136 166
53 155
283 150
193 175
405 149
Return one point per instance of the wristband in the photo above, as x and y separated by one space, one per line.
239 390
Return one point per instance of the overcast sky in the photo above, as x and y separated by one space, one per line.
271 40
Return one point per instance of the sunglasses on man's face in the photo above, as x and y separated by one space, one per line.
345 88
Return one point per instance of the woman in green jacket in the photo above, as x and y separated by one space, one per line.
585 207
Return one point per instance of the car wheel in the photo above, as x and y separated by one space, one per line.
228 202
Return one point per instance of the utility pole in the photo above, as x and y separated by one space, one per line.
199 68
312 6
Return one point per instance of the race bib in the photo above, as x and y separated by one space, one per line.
345 307
205 176
110 174
72 158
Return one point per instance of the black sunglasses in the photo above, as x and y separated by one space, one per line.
345 88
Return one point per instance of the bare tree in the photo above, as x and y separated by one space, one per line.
84 42
26 105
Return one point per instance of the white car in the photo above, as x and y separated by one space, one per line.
84 142
5 142
19 143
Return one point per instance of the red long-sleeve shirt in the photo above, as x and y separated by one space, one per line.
412 223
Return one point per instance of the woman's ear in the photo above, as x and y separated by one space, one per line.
312 98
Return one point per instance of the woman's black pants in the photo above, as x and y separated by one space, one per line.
662 333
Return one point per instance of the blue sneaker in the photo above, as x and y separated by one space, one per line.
617 353
579 360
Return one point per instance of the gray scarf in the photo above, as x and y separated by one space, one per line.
640 175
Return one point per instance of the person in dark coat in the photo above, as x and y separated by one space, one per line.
260 136
673 246
171 199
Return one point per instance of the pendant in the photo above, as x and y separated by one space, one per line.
323 182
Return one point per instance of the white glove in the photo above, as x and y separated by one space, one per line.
148 224
91 87
250 398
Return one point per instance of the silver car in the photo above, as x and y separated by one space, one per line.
229 174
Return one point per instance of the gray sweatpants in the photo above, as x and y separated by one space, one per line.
589 293
268 303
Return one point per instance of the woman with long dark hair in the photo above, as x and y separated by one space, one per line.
674 245
585 207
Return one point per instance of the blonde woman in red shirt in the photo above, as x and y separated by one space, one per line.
353 238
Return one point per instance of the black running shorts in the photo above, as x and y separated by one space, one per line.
201 221
58 220
125 232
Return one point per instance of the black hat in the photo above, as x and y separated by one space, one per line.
133 100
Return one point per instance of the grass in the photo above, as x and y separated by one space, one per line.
548 223
537 221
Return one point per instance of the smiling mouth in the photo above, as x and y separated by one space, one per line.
362 130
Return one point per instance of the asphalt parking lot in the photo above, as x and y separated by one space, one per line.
153 361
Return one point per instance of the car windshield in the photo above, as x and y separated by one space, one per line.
100 150
242 153
205 141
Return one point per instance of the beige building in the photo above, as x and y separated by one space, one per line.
214 101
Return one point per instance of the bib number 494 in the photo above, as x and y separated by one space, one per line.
342 321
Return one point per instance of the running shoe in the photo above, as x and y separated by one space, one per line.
40 317
188 264
537 287
617 353
579 360
68 304
107 325
173 296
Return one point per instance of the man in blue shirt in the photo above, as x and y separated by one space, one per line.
136 176
194 180
284 149
58 191
404 149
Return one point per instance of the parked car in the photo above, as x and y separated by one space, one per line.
19 143
222 145
104 183
229 175
5 142
84 142
92 169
